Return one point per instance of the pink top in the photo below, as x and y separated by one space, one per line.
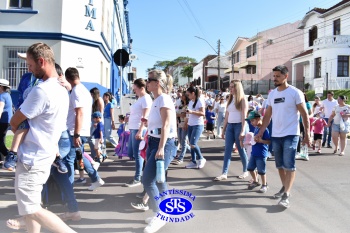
319 125
312 119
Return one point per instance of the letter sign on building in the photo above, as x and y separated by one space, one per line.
91 13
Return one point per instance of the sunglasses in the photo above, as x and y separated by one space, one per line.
151 79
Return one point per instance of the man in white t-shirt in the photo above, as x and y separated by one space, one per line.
46 109
328 106
78 123
285 105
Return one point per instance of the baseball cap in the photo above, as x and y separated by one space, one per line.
97 115
253 114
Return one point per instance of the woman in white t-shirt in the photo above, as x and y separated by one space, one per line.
195 124
161 141
317 106
138 111
234 128
341 112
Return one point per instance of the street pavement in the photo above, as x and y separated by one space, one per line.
319 201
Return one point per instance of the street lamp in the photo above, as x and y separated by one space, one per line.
218 53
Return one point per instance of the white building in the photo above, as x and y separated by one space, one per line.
83 34
326 47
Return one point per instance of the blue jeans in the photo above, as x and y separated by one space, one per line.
232 133
219 122
285 149
62 180
327 131
149 173
108 131
182 134
134 152
70 159
269 127
194 133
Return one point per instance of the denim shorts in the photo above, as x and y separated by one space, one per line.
285 149
336 128
259 163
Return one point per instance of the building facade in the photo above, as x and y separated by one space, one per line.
253 59
325 59
83 34
200 71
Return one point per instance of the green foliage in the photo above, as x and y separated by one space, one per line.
187 71
311 95
164 65
8 141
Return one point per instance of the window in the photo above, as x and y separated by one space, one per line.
20 3
251 70
312 35
318 67
336 27
14 67
343 66
251 50
235 57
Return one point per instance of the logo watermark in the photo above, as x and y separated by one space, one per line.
177 207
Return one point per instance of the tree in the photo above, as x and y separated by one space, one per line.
164 65
187 71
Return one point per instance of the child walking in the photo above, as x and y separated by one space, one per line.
121 127
259 153
210 117
98 134
318 126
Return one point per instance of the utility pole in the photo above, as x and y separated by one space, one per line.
219 88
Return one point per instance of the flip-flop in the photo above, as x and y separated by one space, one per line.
16 224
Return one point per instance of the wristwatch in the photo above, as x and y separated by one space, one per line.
76 135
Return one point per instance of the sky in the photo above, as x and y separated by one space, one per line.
166 29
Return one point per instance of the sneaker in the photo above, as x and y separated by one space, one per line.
10 161
201 163
319 151
221 177
263 188
140 205
149 219
96 165
279 194
313 147
61 167
141 195
323 144
329 146
243 175
305 158
154 225
133 183
214 136
284 201
96 184
178 162
80 181
253 185
191 165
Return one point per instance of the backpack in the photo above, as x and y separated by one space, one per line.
51 193
122 147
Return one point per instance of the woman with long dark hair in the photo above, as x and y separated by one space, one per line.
195 124
108 115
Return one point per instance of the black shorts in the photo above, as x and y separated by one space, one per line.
317 136
209 127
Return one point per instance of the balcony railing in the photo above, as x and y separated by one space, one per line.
332 41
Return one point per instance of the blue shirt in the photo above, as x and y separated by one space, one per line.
261 149
7 112
120 129
209 115
98 129
27 80
107 110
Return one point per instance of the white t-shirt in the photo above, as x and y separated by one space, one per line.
154 118
328 107
192 118
80 97
234 115
222 107
337 109
285 115
137 108
46 108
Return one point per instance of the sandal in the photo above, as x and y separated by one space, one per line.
16 224
70 216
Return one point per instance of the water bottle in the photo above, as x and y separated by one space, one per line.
79 158
160 174
305 152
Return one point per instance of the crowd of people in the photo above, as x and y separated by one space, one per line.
49 136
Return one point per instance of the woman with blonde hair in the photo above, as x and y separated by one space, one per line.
234 128
161 141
